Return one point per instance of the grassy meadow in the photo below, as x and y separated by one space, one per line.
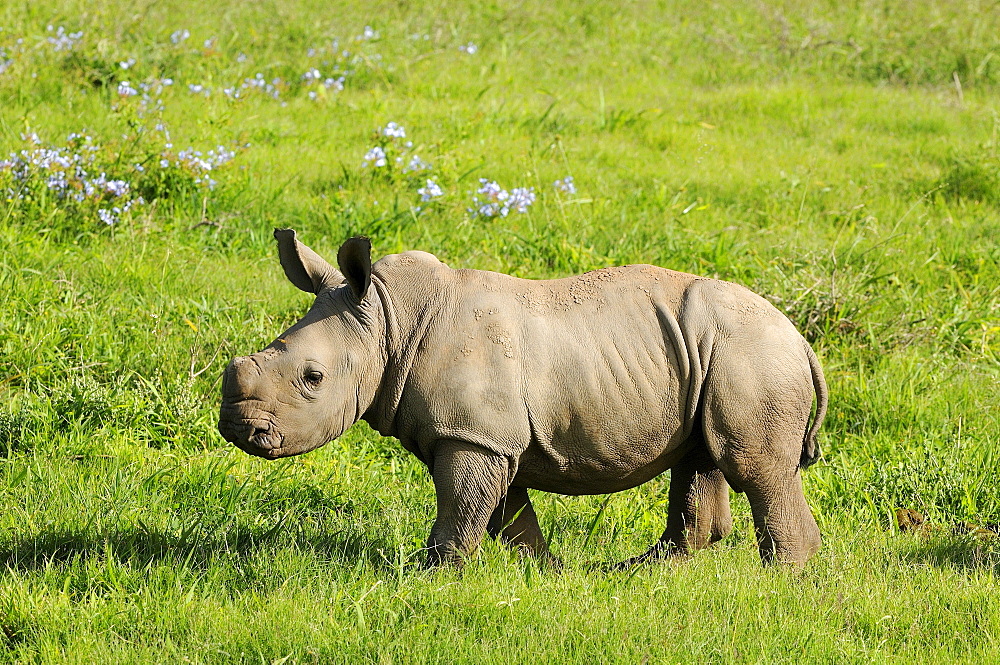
841 158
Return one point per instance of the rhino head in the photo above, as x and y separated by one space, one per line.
317 378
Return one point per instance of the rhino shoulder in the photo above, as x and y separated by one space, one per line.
409 259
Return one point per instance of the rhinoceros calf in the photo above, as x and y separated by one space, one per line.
584 385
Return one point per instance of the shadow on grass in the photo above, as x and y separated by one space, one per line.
958 552
140 546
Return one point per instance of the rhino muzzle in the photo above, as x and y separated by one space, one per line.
253 435
241 422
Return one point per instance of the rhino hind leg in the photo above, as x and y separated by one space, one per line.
754 433
786 530
698 512
514 521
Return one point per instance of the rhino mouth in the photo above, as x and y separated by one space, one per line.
255 436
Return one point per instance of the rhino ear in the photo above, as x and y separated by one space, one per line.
305 268
355 259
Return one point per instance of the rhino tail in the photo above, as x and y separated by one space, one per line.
810 446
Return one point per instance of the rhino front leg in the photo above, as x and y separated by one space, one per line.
698 510
515 521
469 482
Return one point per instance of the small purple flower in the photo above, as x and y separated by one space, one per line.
498 202
565 185
492 190
416 164
469 48
116 187
179 36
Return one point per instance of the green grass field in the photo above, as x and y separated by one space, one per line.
841 158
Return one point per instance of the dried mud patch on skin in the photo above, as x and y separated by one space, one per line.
749 311
583 288
498 335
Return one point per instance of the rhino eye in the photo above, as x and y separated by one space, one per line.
313 377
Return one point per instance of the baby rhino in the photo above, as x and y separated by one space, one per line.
584 385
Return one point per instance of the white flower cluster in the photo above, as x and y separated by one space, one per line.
367 34
394 131
415 164
430 191
200 164
391 147
178 36
498 202
375 157
62 40
148 95
328 83
258 82
113 214
65 171
74 173
125 89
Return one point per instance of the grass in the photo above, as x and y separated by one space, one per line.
842 159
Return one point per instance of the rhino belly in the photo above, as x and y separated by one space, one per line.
585 466
604 436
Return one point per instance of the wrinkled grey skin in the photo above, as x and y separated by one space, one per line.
585 385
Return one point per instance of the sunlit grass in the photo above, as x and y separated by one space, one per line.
843 161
